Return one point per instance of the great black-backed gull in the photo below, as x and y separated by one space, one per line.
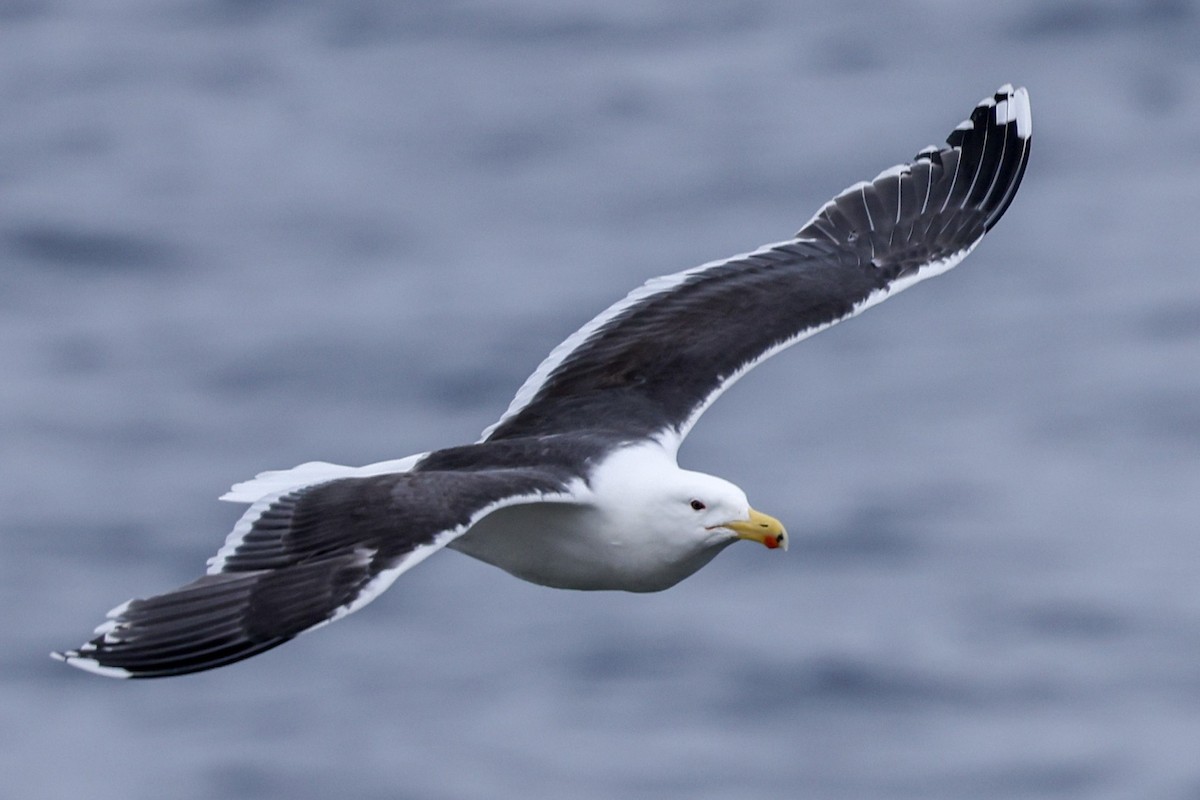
577 486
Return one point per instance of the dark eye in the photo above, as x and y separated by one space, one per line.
698 506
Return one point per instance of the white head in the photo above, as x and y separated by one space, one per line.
716 511
682 510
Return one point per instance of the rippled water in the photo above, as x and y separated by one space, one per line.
238 236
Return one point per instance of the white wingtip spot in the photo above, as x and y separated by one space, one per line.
74 659
117 611
1005 112
1014 108
105 628
1020 99
111 623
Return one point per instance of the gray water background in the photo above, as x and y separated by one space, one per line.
237 236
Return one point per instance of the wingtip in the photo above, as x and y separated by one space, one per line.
78 660
1012 105
1024 113
987 184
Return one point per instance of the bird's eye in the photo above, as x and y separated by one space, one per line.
698 506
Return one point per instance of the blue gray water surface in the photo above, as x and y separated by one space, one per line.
238 236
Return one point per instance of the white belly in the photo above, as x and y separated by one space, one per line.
575 547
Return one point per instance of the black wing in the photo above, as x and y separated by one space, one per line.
653 362
301 559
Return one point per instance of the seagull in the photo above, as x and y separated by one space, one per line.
577 485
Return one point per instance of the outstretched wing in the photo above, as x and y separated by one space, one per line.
653 362
300 559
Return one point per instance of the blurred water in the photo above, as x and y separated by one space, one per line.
237 236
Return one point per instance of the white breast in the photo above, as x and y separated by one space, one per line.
572 547
615 537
